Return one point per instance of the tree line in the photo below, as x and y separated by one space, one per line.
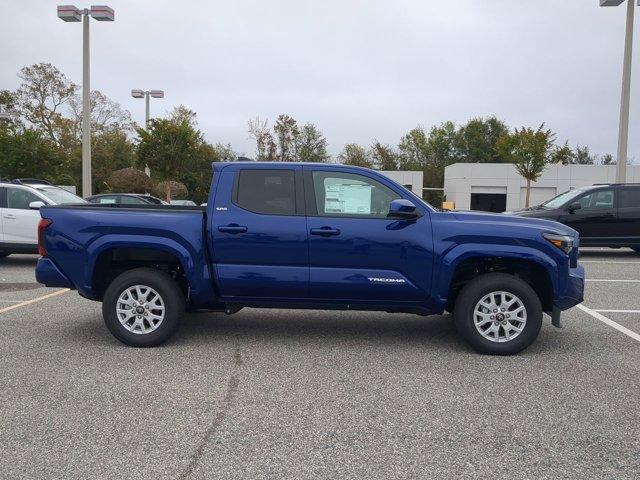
44 140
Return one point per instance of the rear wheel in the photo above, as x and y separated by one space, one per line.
498 314
142 307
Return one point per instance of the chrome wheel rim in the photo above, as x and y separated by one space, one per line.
140 309
500 316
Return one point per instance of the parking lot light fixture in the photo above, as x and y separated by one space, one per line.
623 133
71 13
137 93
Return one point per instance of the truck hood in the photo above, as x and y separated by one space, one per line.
508 221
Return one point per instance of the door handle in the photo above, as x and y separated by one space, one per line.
325 231
233 228
10 216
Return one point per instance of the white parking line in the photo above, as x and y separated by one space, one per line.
617 311
606 261
34 300
611 280
611 323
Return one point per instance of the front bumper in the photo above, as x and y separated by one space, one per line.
48 274
573 292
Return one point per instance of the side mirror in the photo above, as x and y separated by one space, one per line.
36 205
402 208
575 206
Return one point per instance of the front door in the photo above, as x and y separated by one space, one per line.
19 222
259 235
358 254
596 220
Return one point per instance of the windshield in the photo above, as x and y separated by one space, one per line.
559 200
60 196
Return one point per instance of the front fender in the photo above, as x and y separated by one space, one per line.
458 254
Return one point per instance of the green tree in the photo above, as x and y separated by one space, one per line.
476 140
311 146
355 155
582 156
608 159
110 150
529 150
563 154
168 147
384 157
28 153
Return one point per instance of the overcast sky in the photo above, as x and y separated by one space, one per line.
359 70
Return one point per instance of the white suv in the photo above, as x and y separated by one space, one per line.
19 215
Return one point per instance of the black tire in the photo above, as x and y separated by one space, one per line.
172 299
4 255
475 291
636 249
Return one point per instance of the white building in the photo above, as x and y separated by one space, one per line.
408 179
498 186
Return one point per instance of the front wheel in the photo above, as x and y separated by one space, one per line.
143 307
498 314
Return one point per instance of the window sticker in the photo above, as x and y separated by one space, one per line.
343 197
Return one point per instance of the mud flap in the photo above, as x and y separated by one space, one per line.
555 317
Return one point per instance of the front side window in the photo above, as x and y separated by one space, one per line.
20 199
601 199
350 195
270 192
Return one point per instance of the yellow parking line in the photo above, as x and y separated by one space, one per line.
29 302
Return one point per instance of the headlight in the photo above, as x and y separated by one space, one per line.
563 242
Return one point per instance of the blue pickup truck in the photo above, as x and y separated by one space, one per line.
319 236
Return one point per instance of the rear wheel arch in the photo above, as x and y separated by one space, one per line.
113 261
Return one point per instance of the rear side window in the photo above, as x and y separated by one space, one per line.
126 200
270 192
630 197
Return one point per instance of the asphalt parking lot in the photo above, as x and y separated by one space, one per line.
295 394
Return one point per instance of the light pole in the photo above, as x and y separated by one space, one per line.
137 93
623 133
71 13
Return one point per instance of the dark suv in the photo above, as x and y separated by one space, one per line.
604 215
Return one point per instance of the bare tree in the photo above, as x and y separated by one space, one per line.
41 96
287 132
265 144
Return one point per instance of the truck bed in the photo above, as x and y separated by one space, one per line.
80 235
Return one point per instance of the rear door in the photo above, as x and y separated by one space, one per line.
259 236
629 215
596 220
19 222
358 254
